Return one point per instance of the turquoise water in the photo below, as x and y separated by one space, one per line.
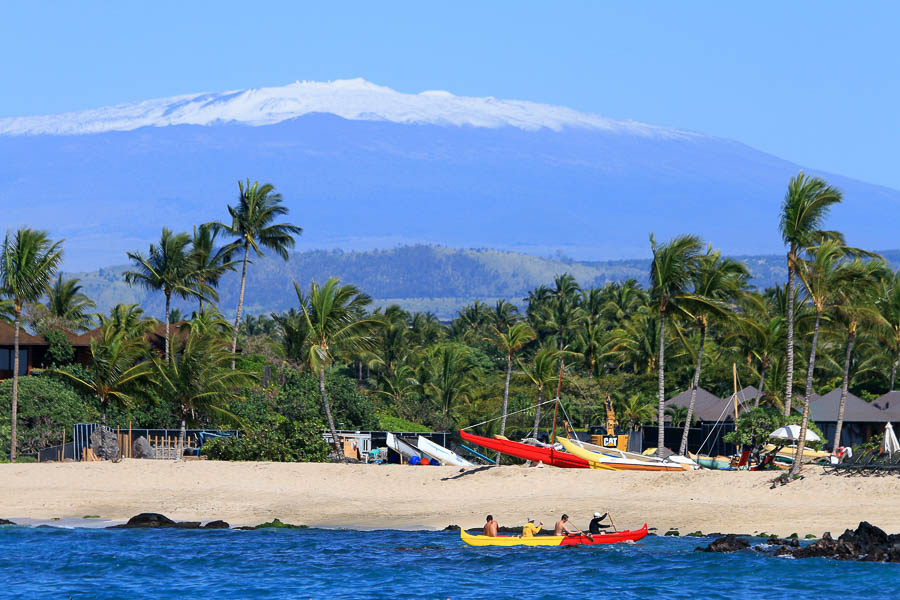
172 564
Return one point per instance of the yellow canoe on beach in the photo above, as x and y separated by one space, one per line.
616 460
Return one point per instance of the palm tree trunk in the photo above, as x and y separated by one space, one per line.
694 384
168 301
894 367
537 413
661 366
801 443
103 405
15 390
851 339
790 337
179 448
327 405
237 319
762 382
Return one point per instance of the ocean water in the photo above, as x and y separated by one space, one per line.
55 563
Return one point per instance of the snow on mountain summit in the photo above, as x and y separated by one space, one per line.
353 99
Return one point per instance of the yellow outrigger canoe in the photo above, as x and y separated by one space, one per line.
554 540
617 460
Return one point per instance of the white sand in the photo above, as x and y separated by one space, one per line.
395 496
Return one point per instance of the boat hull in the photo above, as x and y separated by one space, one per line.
548 456
599 460
441 454
555 540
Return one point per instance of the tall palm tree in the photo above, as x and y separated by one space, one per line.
806 205
28 260
821 276
334 326
197 379
634 342
509 342
448 376
68 306
542 371
253 225
716 282
167 267
505 314
856 295
758 334
210 261
888 304
114 368
671 270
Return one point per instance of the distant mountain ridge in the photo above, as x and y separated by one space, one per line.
361 167
424 278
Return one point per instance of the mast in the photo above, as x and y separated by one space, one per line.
734 377
562 365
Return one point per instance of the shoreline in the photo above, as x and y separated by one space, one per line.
400 497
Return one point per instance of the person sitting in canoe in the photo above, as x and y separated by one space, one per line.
491 528
563 527
530 529
595 525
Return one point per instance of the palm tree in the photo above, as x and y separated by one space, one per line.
855 305
167 267
806 204
716 281
635 411
589 341
210 262
670 274
197 379
759 336
821 277
253 226
505 314
113 370
634 342
28 260
542 372
889 307
510 342
128 320
68 306
334 326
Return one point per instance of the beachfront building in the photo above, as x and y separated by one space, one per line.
861 419
709 408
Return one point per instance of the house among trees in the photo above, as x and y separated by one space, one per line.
709 408
861 419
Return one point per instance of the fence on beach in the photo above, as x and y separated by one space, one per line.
163 443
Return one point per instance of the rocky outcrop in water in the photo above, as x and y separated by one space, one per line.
5 522
104 444
729 543
868 543
141 448
218 524
155 520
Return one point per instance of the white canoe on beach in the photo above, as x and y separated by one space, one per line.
441 454
624 461
403 447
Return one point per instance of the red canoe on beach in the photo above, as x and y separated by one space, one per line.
548 456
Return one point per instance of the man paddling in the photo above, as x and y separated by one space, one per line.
491 528
530 529
595 525
563 527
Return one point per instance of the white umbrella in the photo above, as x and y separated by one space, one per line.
890 444
792 432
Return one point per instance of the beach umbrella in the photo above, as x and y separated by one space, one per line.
890 444
792 432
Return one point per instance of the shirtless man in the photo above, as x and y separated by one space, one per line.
563 527
490 527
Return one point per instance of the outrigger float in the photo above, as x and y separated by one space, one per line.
555 540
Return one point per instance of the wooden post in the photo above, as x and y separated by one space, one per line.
130 442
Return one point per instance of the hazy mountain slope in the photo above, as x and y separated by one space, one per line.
431 278
460 172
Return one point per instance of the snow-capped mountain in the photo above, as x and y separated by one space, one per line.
352 99
361 166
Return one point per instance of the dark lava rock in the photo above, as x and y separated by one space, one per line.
673 532
694 534
218 524
141 448
451 528
277 524
5 522
104 444
868 543
156 520
729 543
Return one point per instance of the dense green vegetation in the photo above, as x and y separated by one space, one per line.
332 358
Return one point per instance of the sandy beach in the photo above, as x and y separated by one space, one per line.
395 496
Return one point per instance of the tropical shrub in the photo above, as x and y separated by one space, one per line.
278 440
754 426
60 351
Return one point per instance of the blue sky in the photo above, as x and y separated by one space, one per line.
814 82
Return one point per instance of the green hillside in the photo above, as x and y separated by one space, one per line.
422 278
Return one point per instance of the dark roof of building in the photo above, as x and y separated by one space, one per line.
824 409
7 332
890 404
707 406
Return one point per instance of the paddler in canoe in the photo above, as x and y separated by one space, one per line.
530 529
491 528
564 527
